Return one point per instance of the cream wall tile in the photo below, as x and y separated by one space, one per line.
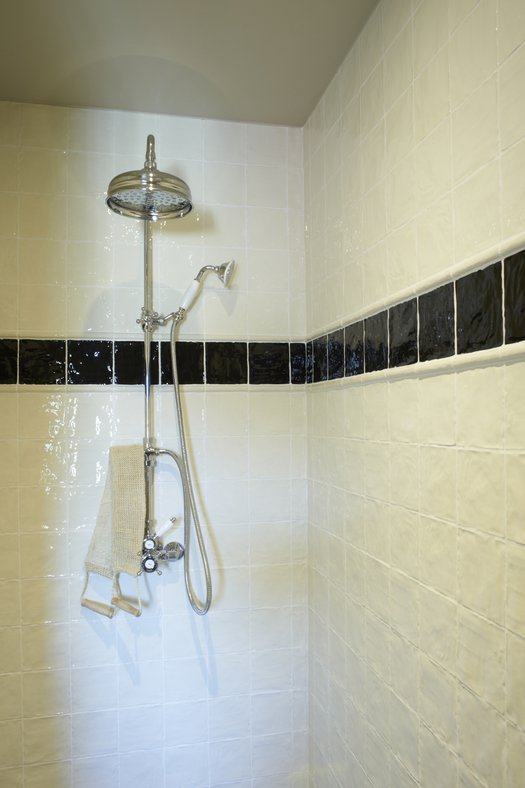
433 165
512 191
11 747
402 257
404 606
430 32
438 628
473 51
438 701
94 734
47 739
46 693
42 171
9 515
511 27
11 689
481 556
371 43
516 750
481 479
475 719
481 658
438 555
435 238
516 588
405 733
10 123
41 262
103 771
10 653
437 486
431 94
515 678
43 216
91 130
512 108
10 163
404 475
475 130
436 758
398 65
401 191
44 126
10 615
515 497
48 774
372 102
476 212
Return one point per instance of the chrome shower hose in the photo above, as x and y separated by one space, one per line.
201 608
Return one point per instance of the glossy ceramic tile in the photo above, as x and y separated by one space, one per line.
479 310
402 334
319 359
268 362
89 361
514 273
8 363
190 362
129 363
436 323
297 362
226 362
42 361
376 342
336 354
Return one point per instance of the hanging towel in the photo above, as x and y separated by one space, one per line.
117 539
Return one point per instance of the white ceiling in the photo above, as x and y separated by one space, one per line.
261 61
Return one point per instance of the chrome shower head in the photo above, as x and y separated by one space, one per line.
223 271
149 193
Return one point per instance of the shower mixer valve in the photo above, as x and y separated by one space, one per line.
153 551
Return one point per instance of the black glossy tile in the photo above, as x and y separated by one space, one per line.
376 342
436 323
226 362
129 363
297 362
479 310
90 361
402 332
514 268
320 359
354 349
42 361
269 362
8 360
310 362
190 362
336 354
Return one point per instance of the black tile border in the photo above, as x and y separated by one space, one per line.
480 310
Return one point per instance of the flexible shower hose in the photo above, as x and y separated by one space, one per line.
201 608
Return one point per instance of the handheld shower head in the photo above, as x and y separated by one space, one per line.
223 271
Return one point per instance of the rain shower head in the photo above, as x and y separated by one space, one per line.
148 193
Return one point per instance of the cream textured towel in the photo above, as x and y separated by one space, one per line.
117 539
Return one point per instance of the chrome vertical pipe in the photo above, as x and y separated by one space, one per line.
148 327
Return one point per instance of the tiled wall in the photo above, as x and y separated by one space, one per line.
413 162
169 699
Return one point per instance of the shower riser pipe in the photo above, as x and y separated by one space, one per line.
148 326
